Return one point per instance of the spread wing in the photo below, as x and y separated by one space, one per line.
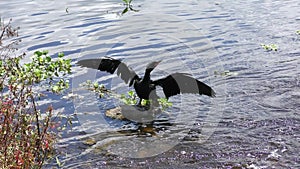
110 65
177 83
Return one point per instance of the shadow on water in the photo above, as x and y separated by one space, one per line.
252 123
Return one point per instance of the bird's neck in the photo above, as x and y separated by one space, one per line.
147 75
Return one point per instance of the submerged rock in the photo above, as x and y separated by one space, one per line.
133 113
115 113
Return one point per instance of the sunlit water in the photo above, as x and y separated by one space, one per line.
253 121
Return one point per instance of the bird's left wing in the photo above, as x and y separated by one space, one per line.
177 83
110 65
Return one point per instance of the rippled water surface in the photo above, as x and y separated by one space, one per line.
252 123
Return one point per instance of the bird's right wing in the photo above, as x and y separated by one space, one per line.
110 65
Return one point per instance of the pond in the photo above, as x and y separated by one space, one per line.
252 123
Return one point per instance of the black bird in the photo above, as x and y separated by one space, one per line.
173 84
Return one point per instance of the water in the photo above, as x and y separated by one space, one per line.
253 122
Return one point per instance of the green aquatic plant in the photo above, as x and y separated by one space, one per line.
44 68
165 103
26 135
270 47
100 89
127 2
128 7
130 98
225 73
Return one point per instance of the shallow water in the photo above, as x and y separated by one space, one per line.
253 121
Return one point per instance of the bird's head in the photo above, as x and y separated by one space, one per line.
152 65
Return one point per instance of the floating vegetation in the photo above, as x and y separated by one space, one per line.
225 73
96 87
165 103
89 141
128 7
298 32
127 2
270 47
129 99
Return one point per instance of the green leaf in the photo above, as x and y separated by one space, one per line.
96 85
48 58
124 11
131 93
40 59
58 162
45 52
38 73
145 102
164 103
127 1
55 88
38 53
60 55
122 96
88 81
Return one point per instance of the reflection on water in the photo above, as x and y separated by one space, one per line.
254 120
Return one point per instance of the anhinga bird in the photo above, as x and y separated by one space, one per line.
173 84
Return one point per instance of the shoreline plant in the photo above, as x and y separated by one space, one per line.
26 139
